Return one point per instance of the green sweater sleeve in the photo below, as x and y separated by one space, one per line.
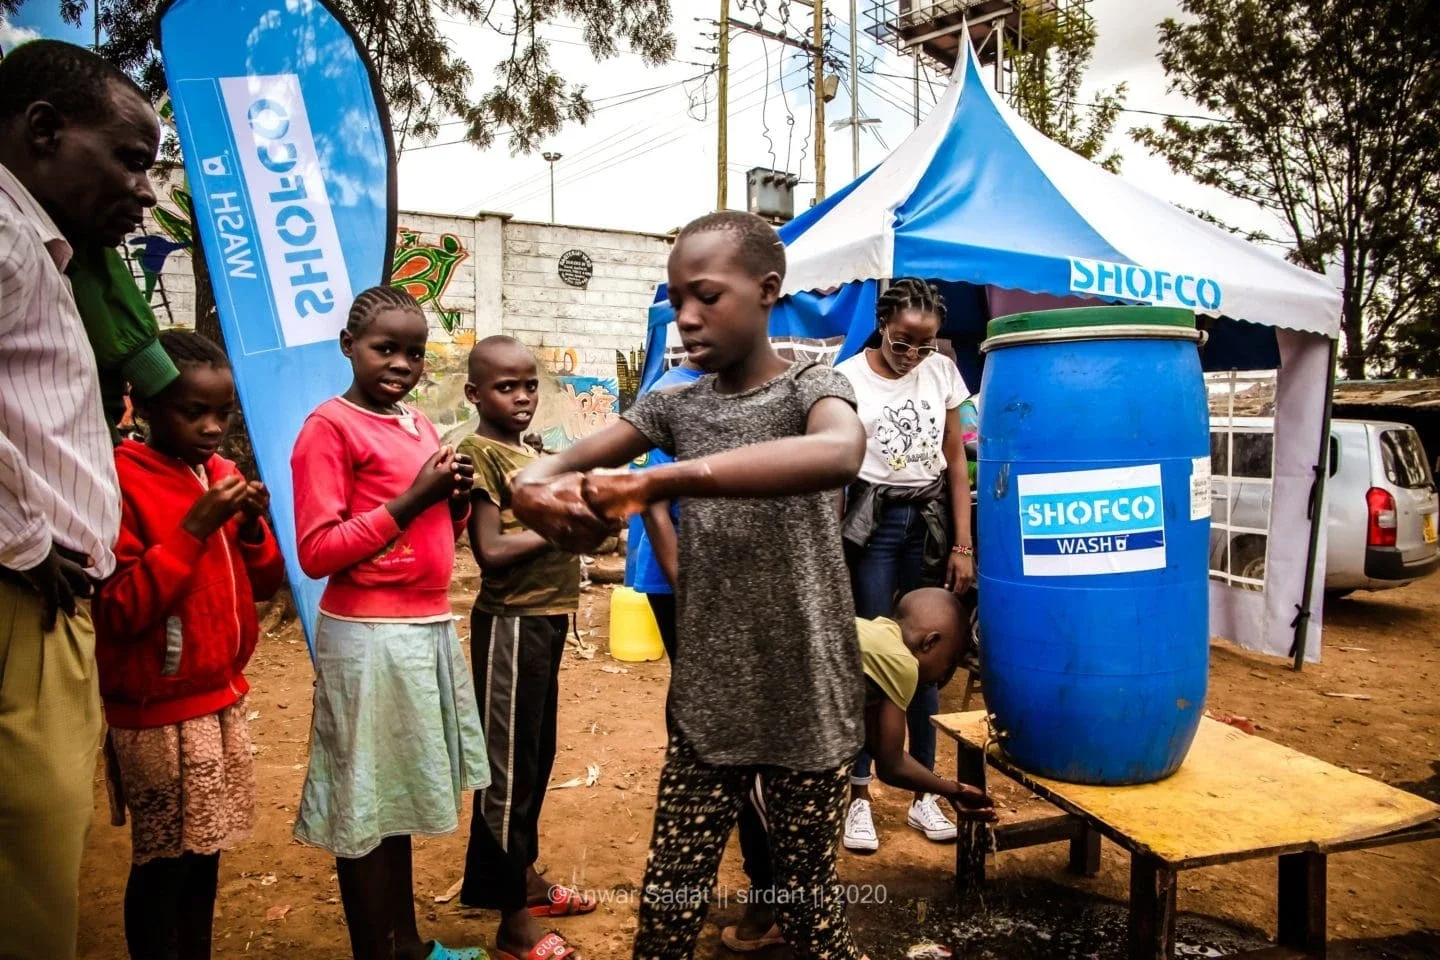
120 326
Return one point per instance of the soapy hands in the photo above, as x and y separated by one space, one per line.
576 511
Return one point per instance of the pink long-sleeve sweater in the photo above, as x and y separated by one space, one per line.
347 464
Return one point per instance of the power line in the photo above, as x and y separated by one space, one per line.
1081 103
884 96
765 103
632 95
609 142
902 94
934 99
606 149
873 55
568 43
650 146
630 153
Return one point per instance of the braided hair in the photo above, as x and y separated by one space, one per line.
371 303
185 348
909 293
188 349
759 251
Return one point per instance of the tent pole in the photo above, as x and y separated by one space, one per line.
1317 513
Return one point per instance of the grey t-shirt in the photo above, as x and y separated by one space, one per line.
768 670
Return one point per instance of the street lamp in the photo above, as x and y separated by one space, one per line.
550 157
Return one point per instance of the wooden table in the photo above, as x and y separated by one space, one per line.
1236 797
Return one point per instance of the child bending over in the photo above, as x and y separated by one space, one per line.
768 679
922 645
395 737
174 628
528 592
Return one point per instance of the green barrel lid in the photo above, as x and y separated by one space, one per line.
1108 316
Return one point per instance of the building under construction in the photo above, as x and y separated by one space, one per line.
931 30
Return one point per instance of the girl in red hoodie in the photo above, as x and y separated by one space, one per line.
174 627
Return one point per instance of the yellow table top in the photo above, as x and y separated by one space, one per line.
1235 797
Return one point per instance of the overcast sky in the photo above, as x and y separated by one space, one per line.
648 162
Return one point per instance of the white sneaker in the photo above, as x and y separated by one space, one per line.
860 828
927 817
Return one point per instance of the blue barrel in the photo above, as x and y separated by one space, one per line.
1094 528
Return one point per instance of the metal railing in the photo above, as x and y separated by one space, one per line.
912 26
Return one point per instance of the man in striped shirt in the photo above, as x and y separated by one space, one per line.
76 141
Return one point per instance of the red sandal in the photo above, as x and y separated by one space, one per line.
564 902
552 946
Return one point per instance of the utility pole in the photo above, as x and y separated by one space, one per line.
917 88
854 97
818 41
550 158
999 34
722 151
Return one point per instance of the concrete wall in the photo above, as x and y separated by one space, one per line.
475 277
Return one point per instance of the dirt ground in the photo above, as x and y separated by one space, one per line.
1382 903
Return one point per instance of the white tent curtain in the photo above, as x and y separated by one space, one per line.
1264 620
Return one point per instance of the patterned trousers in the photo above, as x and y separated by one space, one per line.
697 808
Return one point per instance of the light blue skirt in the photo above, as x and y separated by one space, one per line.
395 738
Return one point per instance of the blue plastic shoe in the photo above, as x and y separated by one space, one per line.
442 952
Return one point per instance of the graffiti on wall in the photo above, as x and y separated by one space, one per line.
583 394
580 407
177 232
424 270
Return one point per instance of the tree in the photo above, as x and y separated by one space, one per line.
425 81
1050 67
423 78
1326 119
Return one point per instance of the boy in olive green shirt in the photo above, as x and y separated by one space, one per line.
528 591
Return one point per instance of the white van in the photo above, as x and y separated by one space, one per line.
1381 504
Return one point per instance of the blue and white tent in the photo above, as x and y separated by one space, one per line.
1004 220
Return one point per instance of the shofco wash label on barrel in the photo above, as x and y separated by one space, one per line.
1089 522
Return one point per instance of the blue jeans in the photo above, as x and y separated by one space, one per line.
890 566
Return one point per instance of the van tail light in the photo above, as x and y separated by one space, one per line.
1381 529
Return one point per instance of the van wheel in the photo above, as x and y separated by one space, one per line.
1247 559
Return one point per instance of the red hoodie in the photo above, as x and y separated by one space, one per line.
175 624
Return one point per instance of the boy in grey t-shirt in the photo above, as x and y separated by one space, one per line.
768 679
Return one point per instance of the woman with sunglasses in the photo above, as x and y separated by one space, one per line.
907 517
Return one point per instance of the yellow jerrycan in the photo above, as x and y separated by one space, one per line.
634 635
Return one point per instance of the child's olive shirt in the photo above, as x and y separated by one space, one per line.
768 670
548 583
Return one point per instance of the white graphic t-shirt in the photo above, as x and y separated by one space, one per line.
904 419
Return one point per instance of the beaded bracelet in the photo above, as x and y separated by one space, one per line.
963 550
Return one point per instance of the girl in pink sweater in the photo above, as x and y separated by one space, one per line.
396 739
